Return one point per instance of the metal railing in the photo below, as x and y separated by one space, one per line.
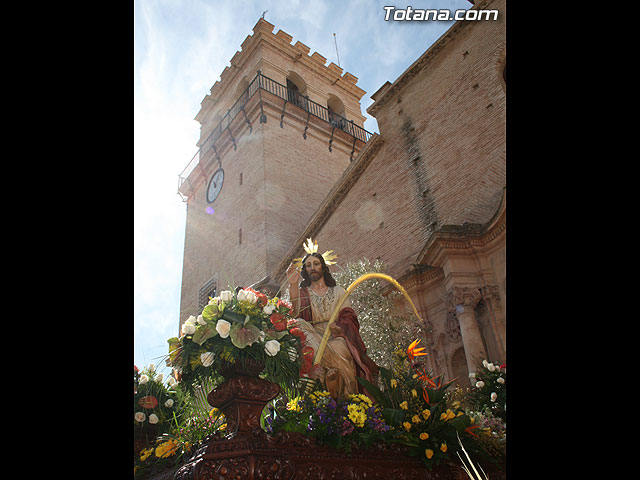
290 96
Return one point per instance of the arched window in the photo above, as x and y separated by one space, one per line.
336 111
296 90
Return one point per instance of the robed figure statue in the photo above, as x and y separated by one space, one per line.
314 295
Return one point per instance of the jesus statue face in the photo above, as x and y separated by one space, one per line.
313 267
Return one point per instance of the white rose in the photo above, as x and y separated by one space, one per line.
140 417
268 308
479 384
226 296
214 301
152 368
207 359
191 320
171 381
472 375
159 377
491 367
272 347
494 396
252 297
223 327
153 418
169 403
201 320
485 363
188 329
143 379
500 380
242 295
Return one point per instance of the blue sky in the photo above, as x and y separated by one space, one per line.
180 49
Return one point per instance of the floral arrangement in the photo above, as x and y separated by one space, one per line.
409 406
489 389
154 403
174 448
354 420
415 403
235 328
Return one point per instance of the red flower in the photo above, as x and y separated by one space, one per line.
413 352
307 360
284 304
135 368
279 321
298 333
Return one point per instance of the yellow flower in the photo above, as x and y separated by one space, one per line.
394 384
413 392
415 419
144 454
357 414
428 452
167 449
407 426
424 436
404 405
223 427
456 404
295 405
362 398
448 415
460 413
443 447
426 413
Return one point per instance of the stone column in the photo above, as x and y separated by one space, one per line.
463 301
491 296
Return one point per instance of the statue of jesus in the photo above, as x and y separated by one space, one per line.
314 294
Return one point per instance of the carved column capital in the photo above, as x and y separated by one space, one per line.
463 297
491 292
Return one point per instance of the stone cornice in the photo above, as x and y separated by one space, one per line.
387 91
421 274
465 236
332 200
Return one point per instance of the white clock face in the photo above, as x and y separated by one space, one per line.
215 184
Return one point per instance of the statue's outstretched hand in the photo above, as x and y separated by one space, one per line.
293 275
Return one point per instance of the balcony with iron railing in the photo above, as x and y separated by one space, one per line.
290 96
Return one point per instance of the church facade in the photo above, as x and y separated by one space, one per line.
427 196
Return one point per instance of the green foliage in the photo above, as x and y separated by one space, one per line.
383 327
489 389
154 403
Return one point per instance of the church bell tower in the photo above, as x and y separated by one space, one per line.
277 132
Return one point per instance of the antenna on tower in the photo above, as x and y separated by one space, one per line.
264 13
336 42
